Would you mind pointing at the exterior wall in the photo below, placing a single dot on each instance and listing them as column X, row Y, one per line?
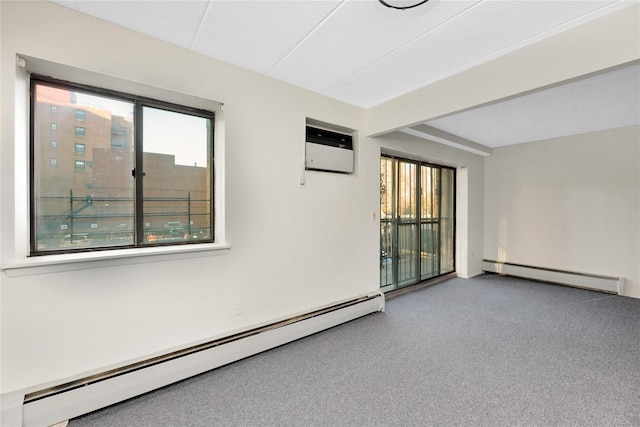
column 72, row 163
column 101, row 171
column 568, row 203
column 56, row 130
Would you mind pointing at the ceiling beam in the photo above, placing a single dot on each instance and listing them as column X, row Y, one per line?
column 604, row 42
column 436, row 135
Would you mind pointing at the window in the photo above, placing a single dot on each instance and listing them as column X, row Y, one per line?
column 80, row 115
column 54, row 126
column 54, row 144
column 152, row 192
column 417, row 227
column 54, row 109
column 54, row 162
column 118, row 136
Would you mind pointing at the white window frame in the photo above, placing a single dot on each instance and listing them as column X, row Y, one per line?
column 18, row 262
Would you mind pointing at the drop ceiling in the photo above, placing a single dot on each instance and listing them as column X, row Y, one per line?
column 602, row 101
column 364, row 54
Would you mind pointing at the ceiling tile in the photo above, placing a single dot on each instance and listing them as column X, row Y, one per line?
column 603, row 101
column 257, row 34
column 363, row 53
column 172, row 21
column 481, row 32
column 357, row 34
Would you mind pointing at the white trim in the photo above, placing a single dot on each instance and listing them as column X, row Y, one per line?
column 85, row 260
column 11, row 409
column 478, row 149
column 471, row 275
column 77, row 401
column 614, row 285
column 16, row 260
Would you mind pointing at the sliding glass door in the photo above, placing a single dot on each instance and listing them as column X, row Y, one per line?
column 417, row 222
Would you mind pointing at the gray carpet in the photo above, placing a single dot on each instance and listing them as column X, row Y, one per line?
column 490, row 351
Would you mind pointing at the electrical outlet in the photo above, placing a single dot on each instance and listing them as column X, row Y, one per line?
column 237, row 307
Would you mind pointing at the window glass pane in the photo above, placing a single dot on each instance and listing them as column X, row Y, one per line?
column 79, row 202
column 407, row 253
column 177, row 159
column 407, row 231
column 429, row 185
column 387, row 248
column 407, row 203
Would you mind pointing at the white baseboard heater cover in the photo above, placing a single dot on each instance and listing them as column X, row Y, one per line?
column 612, row 285
column 79, row 397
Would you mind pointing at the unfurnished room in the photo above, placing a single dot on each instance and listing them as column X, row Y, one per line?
column 320, row 213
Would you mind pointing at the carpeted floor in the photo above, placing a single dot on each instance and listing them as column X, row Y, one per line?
column 490, row 351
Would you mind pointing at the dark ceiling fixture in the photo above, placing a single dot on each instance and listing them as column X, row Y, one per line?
column 402, row 4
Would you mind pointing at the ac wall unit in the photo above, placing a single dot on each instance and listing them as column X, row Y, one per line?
column 328, row 151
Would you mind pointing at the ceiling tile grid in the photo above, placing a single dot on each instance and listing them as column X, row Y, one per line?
column 360, row 33
column 363, row 53
column 475, row 35
column 175, row 22
column 357, row 51
column 257, row 34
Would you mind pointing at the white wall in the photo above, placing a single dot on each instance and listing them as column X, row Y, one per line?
column 568, row 203
column 293, row 248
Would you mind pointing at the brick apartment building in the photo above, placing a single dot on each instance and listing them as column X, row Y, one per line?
column 84, row 183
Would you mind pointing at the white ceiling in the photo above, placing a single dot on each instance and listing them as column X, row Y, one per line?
column 603, row 101
column 363, row 53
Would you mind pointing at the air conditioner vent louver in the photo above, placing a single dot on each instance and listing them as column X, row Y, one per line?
column 329, row 151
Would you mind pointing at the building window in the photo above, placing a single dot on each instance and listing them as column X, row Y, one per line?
column 54, row 126
column 54, row 144
column 170, row 203
column 54, row 162
column 118, row 138
column 54, row 109
column 80, row 115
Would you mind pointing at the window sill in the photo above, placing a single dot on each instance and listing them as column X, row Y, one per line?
column 80, row 261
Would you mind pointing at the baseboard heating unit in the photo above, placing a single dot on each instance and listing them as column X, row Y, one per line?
column 612, row 285
column 66, row 401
